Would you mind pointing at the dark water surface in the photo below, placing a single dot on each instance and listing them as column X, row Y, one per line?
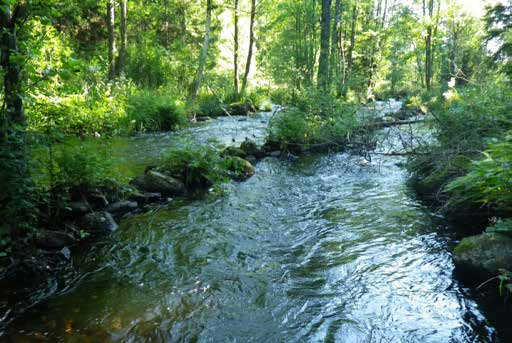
column 321, row 249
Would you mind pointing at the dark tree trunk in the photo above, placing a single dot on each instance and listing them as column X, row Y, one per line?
column 325, row 36
column 14, row 113
column 251, row 46
column 123, row 53
column 111, row 39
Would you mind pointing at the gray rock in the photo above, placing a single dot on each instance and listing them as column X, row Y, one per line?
column 275, row 153
column 484, row 254
column 122, row 207
column 53, row 240
column 98, row 222
column 161, row 183
column 146, row 198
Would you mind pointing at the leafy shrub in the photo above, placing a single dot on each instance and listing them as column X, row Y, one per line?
column 197, row 166
column 463, row 125
column 149, row 66
column 281, row 96
column 209, row 105
column 489, row 180
column 76, row 166
column 77, row 114
column 152, row 111
column 317, row 122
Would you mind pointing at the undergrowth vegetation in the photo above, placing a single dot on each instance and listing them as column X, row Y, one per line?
column 316, row 121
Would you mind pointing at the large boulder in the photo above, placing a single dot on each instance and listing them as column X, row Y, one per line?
column 156, row 182
column 98, row 222
column 484, row 254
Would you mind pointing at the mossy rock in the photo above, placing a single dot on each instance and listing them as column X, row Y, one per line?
column 240, row 169
column 232, row 151
column 484, row 254
column 250, row 148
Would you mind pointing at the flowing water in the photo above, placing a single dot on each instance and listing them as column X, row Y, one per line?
column 325, row 248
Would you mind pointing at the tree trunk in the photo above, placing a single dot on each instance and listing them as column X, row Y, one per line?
column 325, row 36
column 235, row 53
column 251, row 45
column 124, row 38
column 204, row 51
column 351, row 48
column 17, row 207
column 111, row 39
column 336, row 56
column 14, row 113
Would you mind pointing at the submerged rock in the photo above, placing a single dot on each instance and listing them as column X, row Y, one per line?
column 156, row 182
column 98, row 222
column 484, row 254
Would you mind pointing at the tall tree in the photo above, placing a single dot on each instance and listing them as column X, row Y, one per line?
column 16, row 197
column 325, row 36
column 428, row 13
column 123, row 53
column 235, row 51
column 204, row 51
column 350, row 58
column 251, row 46
column 111, row 39
column 12, row 71
column 337, row 57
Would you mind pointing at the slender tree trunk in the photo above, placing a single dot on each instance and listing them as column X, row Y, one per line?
column 335, row 70
column 111, row 39
column 235, row 53
column 204, row 51
column 350, row 61
column 251, row 46
column 123, row 53
column 325, row 36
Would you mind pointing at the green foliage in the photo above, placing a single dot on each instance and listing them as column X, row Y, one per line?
column 149, row 66
column 505, row 287
column 502, row 226
column 317, row 122
column 197, row 166
column 464, row 124
column 78, row 166
column 488, row 181
column 209, row 105
column 153, row 111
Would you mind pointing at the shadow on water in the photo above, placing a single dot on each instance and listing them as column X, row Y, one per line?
column 322, row 249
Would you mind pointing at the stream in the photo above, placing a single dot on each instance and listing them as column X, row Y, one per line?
column 323, row 248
